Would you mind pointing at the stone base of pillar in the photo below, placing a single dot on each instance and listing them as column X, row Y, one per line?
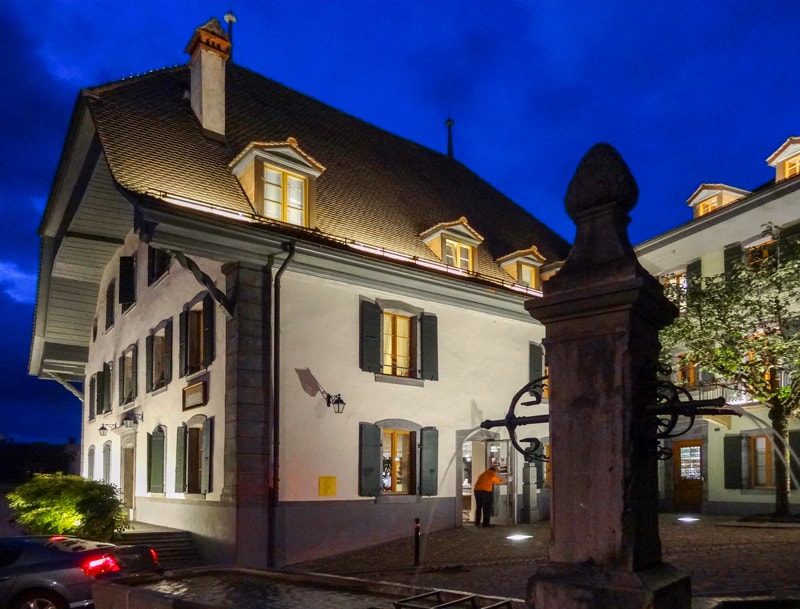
column 559, row 586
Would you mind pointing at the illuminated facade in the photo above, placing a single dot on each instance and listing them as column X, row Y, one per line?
column 724, row 464
column 222, row 256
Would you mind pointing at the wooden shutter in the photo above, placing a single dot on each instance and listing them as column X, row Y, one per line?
column 732, row 256
column 148, row 363
column 127, row 280
column 168, row 352
column 107, row 462
column 370, row 348
column 369, row 460
column 429, row 348
column 209, row 308
column 429, row 461
column 794, row 456
column 121, row 380
column 155, row 453
column 207, row 446
column 732, row 451
column 535, row 362
column 180, row 459
column 106, row 390
column 134, row 370
column 92, row 396
column 183, row 331
column 694, row 271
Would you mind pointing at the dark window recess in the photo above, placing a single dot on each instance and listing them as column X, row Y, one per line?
column 535, row 362
column 732, row 257
column 110, row 291
column 429, row 347
column 127, row 282
column 157, row 264
column 732, row 459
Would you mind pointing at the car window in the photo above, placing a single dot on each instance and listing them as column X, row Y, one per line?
column 9, row 554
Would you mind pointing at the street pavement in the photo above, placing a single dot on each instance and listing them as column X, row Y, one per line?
column 724, row 558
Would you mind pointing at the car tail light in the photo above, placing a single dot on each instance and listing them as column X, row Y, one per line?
column 154, row 554
column 99, row 565
column 58, row 538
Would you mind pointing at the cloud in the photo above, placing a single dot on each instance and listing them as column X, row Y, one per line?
column 17, row 284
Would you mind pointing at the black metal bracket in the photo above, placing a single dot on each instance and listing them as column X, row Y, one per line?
column 673, row 403
column 534, row 391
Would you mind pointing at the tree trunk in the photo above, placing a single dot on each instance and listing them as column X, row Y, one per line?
column 780, row 425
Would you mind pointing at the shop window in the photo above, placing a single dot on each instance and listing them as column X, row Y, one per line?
column 398, row 340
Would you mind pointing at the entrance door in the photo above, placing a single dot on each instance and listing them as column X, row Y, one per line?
column 500, row 453
column 687, row 467
column 128, row 476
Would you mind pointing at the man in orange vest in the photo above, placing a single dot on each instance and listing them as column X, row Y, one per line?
column 484, row 498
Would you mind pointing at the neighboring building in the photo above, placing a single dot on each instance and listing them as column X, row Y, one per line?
column 225, row 262
column 724, row 464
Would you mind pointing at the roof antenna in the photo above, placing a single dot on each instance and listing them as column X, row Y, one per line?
column 449, row 122
column 230, row 19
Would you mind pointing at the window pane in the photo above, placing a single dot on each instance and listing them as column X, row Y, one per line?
column 397, row 472
column 761, row 473
column 295, row 195
column 295, row 216
column 465, row 263
column 690, row 463
column 398, row 350
column 450, row 253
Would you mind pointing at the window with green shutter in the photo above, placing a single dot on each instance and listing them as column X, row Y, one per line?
column 398, row 340
column 196, row 348
column 155, row 460
column 194, row 456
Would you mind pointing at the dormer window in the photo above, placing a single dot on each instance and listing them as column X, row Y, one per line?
column 458, row 254
column 279, row 180
column 455, row 243
column 284, row 196
column 709, row 198
column 786, row 159
column 524, row 266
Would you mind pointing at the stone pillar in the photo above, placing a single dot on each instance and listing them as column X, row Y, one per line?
column 248, row 413
column 602, row 314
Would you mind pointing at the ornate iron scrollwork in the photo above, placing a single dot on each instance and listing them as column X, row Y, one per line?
column 534, row 391
column 673, row 402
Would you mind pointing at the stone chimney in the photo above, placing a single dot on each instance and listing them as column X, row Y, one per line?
column 210, row 49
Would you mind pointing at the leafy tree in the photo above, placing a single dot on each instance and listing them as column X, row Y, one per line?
column 69, row 505
column 742, row 326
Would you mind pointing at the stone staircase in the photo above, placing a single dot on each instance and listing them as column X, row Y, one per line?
column 175, row 548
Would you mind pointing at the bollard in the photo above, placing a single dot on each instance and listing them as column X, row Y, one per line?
column 416, row 542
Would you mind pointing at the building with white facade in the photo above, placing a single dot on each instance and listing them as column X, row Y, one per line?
column 226, row 263
column 724, row 464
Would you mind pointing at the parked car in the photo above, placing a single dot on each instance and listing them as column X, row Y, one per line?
column 40, row 572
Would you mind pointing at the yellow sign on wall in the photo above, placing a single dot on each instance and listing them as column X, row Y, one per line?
column 327, row 486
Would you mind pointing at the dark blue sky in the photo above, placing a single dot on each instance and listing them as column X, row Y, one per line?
column 687, row 91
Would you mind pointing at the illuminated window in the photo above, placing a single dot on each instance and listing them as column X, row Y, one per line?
column 690, row 463
column 687, row 372
column 707, row 206
column 529, row 276
column 398, row 339
column 284, row 196
column 127, row 376
column 791, row 167
column 760, row 252
column 399, row 347
column 458, row 254
column 398, row 462
column 760, row 449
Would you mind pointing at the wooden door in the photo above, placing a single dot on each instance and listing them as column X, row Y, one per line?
column 687, row 459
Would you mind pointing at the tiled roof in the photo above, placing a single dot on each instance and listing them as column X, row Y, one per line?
column 377, row 188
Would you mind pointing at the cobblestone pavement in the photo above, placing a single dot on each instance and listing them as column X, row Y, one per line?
column 722, row 557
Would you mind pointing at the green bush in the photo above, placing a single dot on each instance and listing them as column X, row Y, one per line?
column 51, row 504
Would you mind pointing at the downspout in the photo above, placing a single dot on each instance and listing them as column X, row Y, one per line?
column 272, row 508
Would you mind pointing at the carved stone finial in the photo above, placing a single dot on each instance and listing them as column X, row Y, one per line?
column 602, row 177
